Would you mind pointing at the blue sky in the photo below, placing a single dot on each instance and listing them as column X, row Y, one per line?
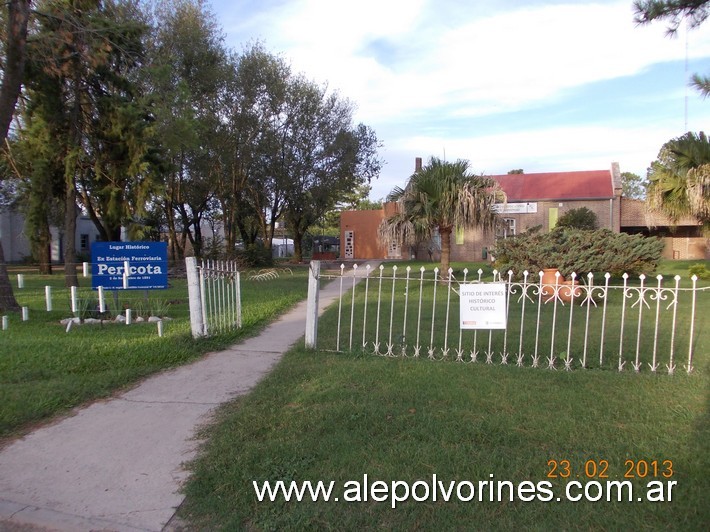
column 538, row 85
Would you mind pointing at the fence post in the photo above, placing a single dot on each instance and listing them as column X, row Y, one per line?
column 193, row 289
column 312, row 306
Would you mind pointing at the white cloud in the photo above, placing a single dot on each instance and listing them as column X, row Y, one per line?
column 501, row 60
column 537, row 150
column 413, row 66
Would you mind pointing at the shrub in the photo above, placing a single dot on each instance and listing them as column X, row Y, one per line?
column 700, row 270
column 580, row 251
column 255, row 256
column 581, row 218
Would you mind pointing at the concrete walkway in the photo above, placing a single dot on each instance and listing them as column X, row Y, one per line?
column 118, row 464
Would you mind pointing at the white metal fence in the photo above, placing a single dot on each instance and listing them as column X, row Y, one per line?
column 640, row 323
column 214, row 289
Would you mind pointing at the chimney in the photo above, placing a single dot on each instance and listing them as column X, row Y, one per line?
column 418, row 164
column 616, row 179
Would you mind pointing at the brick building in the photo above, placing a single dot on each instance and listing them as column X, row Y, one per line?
column 683, row 241
column 538, row 199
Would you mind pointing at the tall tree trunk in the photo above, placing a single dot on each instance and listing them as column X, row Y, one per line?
column 297, row 245
column 70, row 276
column 7, row 298
column 44, row 249
column 18, row 13
column 197, row 242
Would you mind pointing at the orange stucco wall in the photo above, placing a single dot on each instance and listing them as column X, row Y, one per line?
column 364, row 225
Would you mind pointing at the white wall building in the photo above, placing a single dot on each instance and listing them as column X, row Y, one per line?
column 16, row 245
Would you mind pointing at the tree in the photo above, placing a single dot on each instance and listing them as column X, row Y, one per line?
column 674, row 12
column 37, row 160
column 324, row 156
column 254, row 133
column 633, row 186
column 441, row 196
column 188, row 76
column 581, row 218
column 82, row 85
column 679, row 180
column 15, row 48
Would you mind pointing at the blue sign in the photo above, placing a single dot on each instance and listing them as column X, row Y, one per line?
column 129, row 265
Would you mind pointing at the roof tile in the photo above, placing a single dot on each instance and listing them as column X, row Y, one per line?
column 591, row 184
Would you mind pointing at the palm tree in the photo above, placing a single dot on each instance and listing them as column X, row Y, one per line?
column 441, row 196
column 679, row 180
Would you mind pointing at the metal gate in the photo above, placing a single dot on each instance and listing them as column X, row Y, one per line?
column 214, row 288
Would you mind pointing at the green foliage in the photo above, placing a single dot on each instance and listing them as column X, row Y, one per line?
column 672, row 11
column 581, row 218
column 700, row 270
column 573, row 250
column 441, row 196
column 633, row 185
column 159, row 307
column 83, row 94
column 679, row 180
column 255, row 256
column 85, row 308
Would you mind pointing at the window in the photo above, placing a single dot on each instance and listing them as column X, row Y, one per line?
column 436, row 239
column 349, row 244
column 394, row 250
column 506, row 228
column 84, row 242
column 460, row 236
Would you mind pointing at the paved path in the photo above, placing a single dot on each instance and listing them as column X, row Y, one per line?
column 118, row 464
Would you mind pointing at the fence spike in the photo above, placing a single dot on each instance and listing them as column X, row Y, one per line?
column 689, row 367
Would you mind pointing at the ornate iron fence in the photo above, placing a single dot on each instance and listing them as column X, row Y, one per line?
column 640, row 323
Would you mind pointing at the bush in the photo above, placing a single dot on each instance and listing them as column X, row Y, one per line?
column 580, row 251
column 255, row 256
column 581, row 218
column 700, row 270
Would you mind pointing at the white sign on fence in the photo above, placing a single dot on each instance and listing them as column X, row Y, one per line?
column 482, row 306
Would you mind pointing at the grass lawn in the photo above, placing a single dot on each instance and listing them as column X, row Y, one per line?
column 337, row 417
column 45, row 370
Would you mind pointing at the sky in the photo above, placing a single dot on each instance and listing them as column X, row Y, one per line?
column 542, row 86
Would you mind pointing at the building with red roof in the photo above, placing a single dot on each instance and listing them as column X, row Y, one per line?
column 537, row 199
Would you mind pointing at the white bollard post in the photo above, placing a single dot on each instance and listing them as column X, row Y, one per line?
column 86, row 269
column 48, row 297
column 5, row 323
column 129, row 316
column 20, row 280
column 74, row 305
column 312, row 305
column 160, row 328
column 102, row 300
column 25, row 314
